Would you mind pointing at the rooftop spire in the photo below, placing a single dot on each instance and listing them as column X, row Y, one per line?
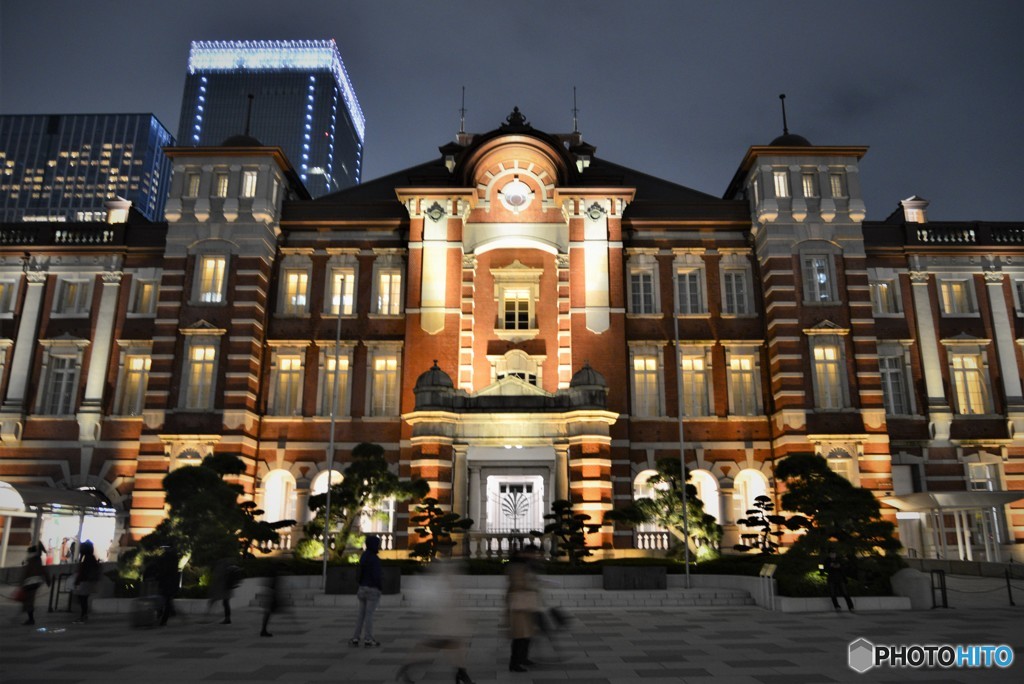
column 575, row 113
column 462, row 113
column 785, row 128
column 248, row 113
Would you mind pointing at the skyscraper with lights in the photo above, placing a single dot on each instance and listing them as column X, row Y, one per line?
column 303, row 102
column 65, row 167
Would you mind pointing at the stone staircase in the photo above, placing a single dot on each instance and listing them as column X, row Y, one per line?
column 488, row 592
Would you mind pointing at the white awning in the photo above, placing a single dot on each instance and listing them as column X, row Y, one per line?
column 951, row 501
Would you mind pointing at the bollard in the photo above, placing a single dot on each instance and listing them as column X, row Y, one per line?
column 1009, row 587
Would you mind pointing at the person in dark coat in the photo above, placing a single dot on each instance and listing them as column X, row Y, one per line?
column 224, row 578
column 270, row 600
column 836, row 570
column 32, row 577
column 370, row 585
column 86, row 577
column 168, row 578
column 523, row 601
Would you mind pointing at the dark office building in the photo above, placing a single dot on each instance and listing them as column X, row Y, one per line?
column 303, row 102
column 64, row 167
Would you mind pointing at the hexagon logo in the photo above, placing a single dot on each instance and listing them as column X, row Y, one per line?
column 862, row 655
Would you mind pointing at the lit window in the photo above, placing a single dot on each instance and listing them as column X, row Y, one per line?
column 781, row 183
column 957, row 297
column 894, row 385
column 287, row 386
column 343, row 284
column 295, row 294
column 7, row 289
column 842, row 464
column 696, row 373
column 73, row 297
column 828, row 375
column 220, row 184
column 389, row 293
column 1018, row 289
column 192, row 185
column 817, row 272
column 641, row 290
column 61, row 385
column 690, row 292
column 329, row 382
column 199, row 376
column 144, row 297
column 646, row 386
column 809, row 179
column 755, row 186
column 837, row 181
column 743, row 394
column 983, row 477
column 736, row 292
column 516, row 304
column 248, row 184
column 384, row 399
column 134, row 380
column 211, row 279
column 969, row 383
column 884, row 297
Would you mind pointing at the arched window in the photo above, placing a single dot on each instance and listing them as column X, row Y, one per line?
column 748, row 485
column 643, row 488
column 278, row 496
column 707, row 492
column 319, row 483
column 378, row 519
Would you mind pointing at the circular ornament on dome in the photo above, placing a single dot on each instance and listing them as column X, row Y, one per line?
column 515, row 195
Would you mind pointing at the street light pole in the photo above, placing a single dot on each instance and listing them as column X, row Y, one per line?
column 679, row 416
column 330, row 440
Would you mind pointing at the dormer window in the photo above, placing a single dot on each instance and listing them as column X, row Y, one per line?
column 809, row 180
column 781, row 183
column 192, row 184
column 249, row 183
column 837, row 180
column 220, row 184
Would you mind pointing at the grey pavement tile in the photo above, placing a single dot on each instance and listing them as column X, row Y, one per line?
column 762, row 664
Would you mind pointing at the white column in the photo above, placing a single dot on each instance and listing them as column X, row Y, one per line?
column 25, row 342
column 561, row 490
column 459, row 480
column 475, row 497
column 943, row 540
column 938, row 408
column 1004, row 332
column 595, row 255
column 959, row 535
column 99, row 356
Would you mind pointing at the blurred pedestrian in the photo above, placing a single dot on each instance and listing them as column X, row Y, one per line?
column 225, row 577
column 86, row 577
column 443, row 619
column 270, row 600
column 836, row 571
column 32, row 577
column 168, row 578
column 370, row 586
column 523, row 601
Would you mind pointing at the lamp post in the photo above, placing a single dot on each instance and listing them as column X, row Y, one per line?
column 679, row 416
column 330, row 439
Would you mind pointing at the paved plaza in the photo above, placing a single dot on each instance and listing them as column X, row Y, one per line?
column 741, row 645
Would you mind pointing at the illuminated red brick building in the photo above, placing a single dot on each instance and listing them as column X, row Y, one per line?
column 503, row 320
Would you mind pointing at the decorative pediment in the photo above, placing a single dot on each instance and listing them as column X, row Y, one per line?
column 826, row 327
column 202, row 327
column 511, row 386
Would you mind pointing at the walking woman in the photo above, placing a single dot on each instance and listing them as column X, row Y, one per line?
column 33, row 576
column 85, row 579
column 523, row 600
column 370, row 585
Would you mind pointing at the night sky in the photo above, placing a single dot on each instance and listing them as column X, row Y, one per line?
column 676, row 89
